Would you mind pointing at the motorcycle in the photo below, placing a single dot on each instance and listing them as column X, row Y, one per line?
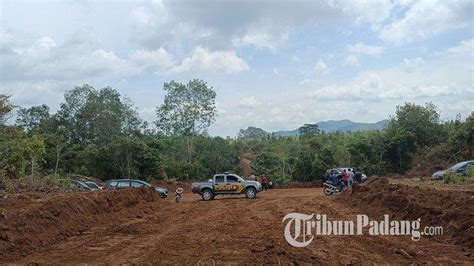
column 329, row 188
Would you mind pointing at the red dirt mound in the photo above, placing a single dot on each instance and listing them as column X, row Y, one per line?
column 38, row 223
column 452, row 210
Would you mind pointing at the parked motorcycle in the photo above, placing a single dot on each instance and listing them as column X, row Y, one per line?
column 329, row 188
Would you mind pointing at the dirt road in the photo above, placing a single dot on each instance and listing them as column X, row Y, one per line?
column 226, row 230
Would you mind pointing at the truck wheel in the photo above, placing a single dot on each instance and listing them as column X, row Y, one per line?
column 251, row 193
column 207, row 194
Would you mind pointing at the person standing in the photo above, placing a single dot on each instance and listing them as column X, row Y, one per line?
column 351, row 177
column 264, row 181
column 345, row 177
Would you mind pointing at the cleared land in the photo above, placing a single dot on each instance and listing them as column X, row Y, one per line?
column 136, row 226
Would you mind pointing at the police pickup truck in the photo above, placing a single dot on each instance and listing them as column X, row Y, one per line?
column 226, row 184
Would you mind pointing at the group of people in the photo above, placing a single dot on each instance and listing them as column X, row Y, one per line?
column 263, row 179
column 345, row 177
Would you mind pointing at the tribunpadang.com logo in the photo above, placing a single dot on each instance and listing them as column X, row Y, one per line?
column 301, row 229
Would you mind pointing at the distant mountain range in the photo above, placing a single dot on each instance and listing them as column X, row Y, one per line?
column 339, row 125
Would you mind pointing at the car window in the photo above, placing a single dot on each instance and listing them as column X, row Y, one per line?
column 231, row 178
column 92, row 185
column 113, row 184
column 138, row 184
column 124, row 184
column 458, row 166
column 220, row 179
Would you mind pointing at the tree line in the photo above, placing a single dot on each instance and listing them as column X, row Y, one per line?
column 98, row 132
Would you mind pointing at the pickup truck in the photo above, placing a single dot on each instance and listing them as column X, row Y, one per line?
column 226, row 184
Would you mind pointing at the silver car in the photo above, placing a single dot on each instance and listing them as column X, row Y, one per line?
column 459, row 168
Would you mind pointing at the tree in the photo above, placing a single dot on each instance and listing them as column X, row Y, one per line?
column 5, row 108
column 31, row 118
column 267, row 164
column 13, row 153
column 36, row 149
column 308, row 129
column 414, row 126
column 253, row 133
column 420, row 121
column 216, row 155
column 56, row 142
column 126, row 154
column 107, row 116
column 188, row 110
column 70, row 112
column 93, row 116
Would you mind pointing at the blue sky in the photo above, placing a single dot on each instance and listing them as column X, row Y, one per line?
column 273, row 64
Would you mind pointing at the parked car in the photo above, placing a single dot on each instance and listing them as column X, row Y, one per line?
column 226, row 183
column 82, row 186
column 459, row 169
column 133, row 183
column 93, row 185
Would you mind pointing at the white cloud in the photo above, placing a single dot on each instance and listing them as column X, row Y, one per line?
column 263, row 34
column 364, row 87
column 363, row 49
column 360, row 49
column 321, row 68
column 250, row 102
column 447, row 74
column 44, row 59
column 155, row 61
column 368, row 11
column 203, row 60
column 351, row 60
column 465, row 47
column 428, row 18
column 413, row 63
column 79, row 58
column 221, row 25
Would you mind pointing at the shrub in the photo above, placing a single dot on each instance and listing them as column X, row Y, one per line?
column 451, row 178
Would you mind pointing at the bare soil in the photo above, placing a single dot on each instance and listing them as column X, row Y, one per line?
column 136, row 226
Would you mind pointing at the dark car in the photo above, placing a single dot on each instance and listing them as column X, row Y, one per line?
column 459, row 169
column 133, row 183
column 82, row 186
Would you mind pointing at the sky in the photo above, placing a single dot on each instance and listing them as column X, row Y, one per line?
column 273, row 64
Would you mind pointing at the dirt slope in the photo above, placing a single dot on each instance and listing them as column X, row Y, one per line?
column 246, row 164
column 454, row 210
column 136, row 227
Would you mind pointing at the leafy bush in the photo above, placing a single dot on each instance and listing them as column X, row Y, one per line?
column 470, row 173
column 453, row 178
